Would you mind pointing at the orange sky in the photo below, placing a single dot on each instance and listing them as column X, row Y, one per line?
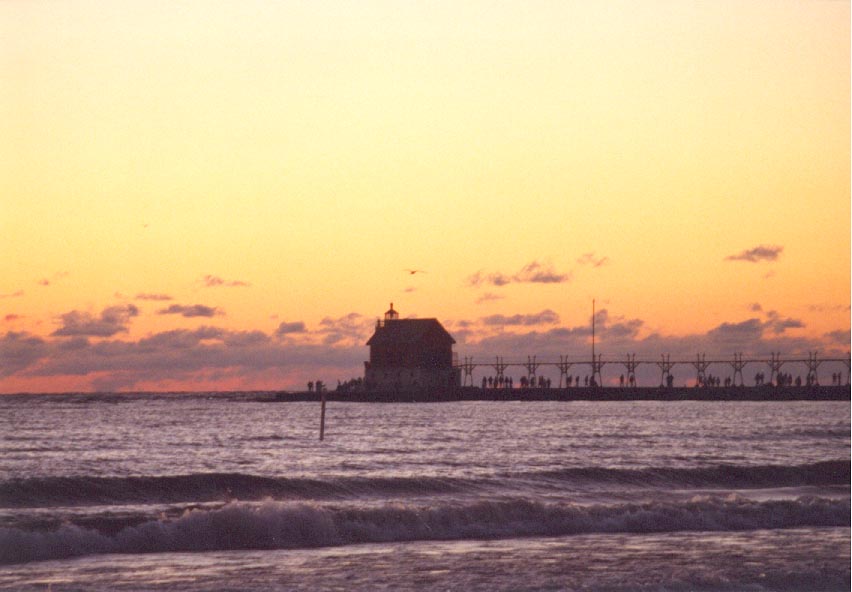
column 270, row 172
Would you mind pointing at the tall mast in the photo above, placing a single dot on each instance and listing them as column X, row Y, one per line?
column 593, row 337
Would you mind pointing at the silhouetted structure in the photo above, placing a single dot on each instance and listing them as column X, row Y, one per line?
column 777, row 379
column 410, row 355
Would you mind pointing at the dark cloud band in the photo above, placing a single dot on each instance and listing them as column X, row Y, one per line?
column 760, row 253
column 194, row 310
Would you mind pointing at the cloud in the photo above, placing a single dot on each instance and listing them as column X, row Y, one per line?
column 56, row 276
column 20, row 351
column 489, row 296
column 735, row 336
column 205, row 354
column 829, row 308
column 545, row 317
column 842, row 338
column 618, row 330
column 618, row 336
column 245, row 338
column 531, row 273
column 155, row 297
column 180, row 338
column 539, row 274
column 353, row 329
column 495, row 279
column 195, row 310
column 17, row 294
column 289, row 328
column 779, row 325
column 12, row 317
column 212, row 281
column 590, row 259
column 210, row 357
column 760, row 253
column 112, row 320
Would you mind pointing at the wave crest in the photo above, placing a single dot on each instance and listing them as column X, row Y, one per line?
column 206, row 487
column 281, row 525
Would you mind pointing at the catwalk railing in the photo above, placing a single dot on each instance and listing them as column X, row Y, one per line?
column 737, row 364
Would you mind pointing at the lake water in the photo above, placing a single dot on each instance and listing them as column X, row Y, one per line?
column 232, row 492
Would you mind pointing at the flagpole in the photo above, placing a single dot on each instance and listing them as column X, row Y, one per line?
column 593, row 339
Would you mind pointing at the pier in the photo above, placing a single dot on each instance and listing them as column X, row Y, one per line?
column 495, row 373
column 776, row 379
column 740, row 393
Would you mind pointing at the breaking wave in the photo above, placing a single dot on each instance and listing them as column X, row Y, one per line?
column 283, row 525
column 203, row 487
column 728, row 476
column 62, row 491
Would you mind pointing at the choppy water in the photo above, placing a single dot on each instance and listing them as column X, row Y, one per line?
column 228, row 492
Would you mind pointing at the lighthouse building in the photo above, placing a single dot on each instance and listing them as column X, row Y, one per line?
column 410, row 355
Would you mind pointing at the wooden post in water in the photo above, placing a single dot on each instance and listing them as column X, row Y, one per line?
column 322, row 415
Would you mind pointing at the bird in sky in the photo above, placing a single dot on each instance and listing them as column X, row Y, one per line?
column 413, row 271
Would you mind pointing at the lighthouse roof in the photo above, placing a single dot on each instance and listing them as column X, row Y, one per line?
column 410, row 331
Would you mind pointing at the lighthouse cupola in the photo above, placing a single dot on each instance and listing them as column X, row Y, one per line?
column 391, row 314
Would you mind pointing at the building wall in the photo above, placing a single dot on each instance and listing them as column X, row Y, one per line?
column 411, row 356
column 394, row 378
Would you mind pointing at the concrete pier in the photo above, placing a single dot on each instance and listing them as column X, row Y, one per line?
column 739, row 393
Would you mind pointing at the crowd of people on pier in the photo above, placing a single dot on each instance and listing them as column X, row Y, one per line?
column 507, row 382
column 781, row 379
column 703, row 381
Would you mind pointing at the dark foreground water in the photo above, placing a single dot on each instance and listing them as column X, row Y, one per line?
column 226, row 492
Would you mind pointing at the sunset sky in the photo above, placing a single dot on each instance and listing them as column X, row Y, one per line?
column 225, row 195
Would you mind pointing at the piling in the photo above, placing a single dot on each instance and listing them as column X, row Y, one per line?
column 322, row 416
